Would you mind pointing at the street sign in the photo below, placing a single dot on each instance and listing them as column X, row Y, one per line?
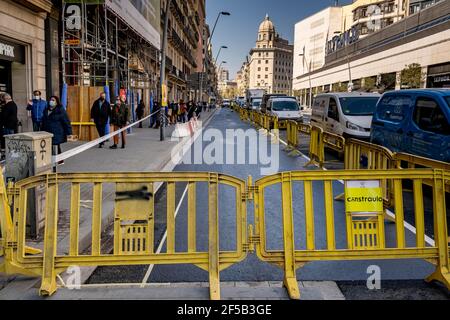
column 164, row 98
column 363, row 197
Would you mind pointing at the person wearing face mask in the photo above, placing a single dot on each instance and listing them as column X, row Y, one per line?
column 9, row 115
column 37, row 107
column 100, row 113
column 120, row 117
column 56, row 121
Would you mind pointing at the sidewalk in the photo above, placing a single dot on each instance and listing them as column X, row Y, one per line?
column 144, row 153
column 265, row 290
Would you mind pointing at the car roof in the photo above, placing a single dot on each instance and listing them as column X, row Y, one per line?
column 437, row 91
column 283, row 98
column 349, row 94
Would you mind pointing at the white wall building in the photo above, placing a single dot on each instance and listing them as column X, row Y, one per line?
column 421, row 38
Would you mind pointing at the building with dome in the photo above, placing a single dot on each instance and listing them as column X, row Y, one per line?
column 271, row 61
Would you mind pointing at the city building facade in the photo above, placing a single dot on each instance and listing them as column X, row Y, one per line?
column 378, row 61
column 271, row 61
column 23, row 51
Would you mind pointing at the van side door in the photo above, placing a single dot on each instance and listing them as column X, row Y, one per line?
column 428, row 132
column 320, row 108
column 332, row 123
column 390, row 120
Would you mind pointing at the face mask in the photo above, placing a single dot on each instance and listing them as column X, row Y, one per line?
column 52, row 103
column 37, row 97
column 102, row 98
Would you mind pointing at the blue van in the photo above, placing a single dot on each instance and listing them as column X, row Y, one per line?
column 415, row 122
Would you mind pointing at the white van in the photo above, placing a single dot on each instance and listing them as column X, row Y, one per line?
column 285, row 108
column 345, row 114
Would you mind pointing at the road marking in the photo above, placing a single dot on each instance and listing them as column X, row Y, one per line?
column 408, row 226
column 163, row 240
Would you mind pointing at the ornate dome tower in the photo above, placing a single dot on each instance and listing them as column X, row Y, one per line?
column 266, row 32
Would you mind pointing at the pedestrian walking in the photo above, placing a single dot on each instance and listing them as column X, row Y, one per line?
column 100, row 113
column 140, row 111
column 56, row 121
column 183, row 111
column 9, row 115
column 120, row 118
column 191, row 110
column 37, row 105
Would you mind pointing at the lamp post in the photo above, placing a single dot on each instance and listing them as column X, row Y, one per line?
column 350, row 82
column 162, row 76
column 222, row 13
column 220, row 49
column 309, row 75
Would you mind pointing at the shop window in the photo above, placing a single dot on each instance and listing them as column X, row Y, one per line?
column 428, row 116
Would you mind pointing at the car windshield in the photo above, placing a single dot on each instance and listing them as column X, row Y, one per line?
column 285, row 105
column 448, row 101
column 358, row 106
column 256, row 103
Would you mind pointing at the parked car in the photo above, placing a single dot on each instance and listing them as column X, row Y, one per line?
column 266, row 98
column 414, row 121
column 285, row 108
column 226, row 103
column 256, row 104
column 346, row 114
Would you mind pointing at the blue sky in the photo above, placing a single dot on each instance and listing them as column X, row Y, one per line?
column 239, row 30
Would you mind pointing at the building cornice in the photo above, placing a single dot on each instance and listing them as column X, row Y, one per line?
column 36, row 5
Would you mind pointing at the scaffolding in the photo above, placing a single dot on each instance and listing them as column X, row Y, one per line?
column 101, row 52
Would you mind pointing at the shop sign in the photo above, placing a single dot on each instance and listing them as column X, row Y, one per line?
column 445, row 78
column 363, row 197
column 12, row 51
column 343, row 40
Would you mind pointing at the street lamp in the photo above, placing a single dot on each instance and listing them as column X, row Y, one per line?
column 350, row 82
column 222, row 13
column 162, row 75
column 220, row 49
column 309, row 75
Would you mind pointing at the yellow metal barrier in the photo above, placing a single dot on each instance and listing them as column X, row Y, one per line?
column 133, row 227
column 365, row 235
column 334, row 141
column 413, row 161
column 316, row 147
column 292, row 135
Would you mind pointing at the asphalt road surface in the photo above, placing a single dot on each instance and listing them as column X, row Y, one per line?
column 251, row 269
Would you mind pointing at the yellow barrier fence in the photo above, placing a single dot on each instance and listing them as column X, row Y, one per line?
column 134, row 221
column 316, row 147
column 291, row 135
column 413, row 161
column 365, row 235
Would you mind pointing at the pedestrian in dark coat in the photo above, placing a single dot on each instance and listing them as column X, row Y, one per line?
column 100, row 113
column 9, row 115
column 140, row 111
column 120, row 117
column 56, row 121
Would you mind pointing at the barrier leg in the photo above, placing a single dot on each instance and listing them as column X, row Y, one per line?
column 442, row 272
column 214, row 271
column 290, row 278
column 48, row 286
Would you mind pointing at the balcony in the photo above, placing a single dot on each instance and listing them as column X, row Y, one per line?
column 177, row 13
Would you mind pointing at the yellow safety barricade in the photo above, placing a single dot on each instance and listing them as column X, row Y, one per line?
column 334, row 141
column 316, row 147
column 413, row 161
column 365, row 235
column 292, row 135
column 134, row 220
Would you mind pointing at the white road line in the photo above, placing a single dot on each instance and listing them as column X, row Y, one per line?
column 163, row 240
column 408, row 226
